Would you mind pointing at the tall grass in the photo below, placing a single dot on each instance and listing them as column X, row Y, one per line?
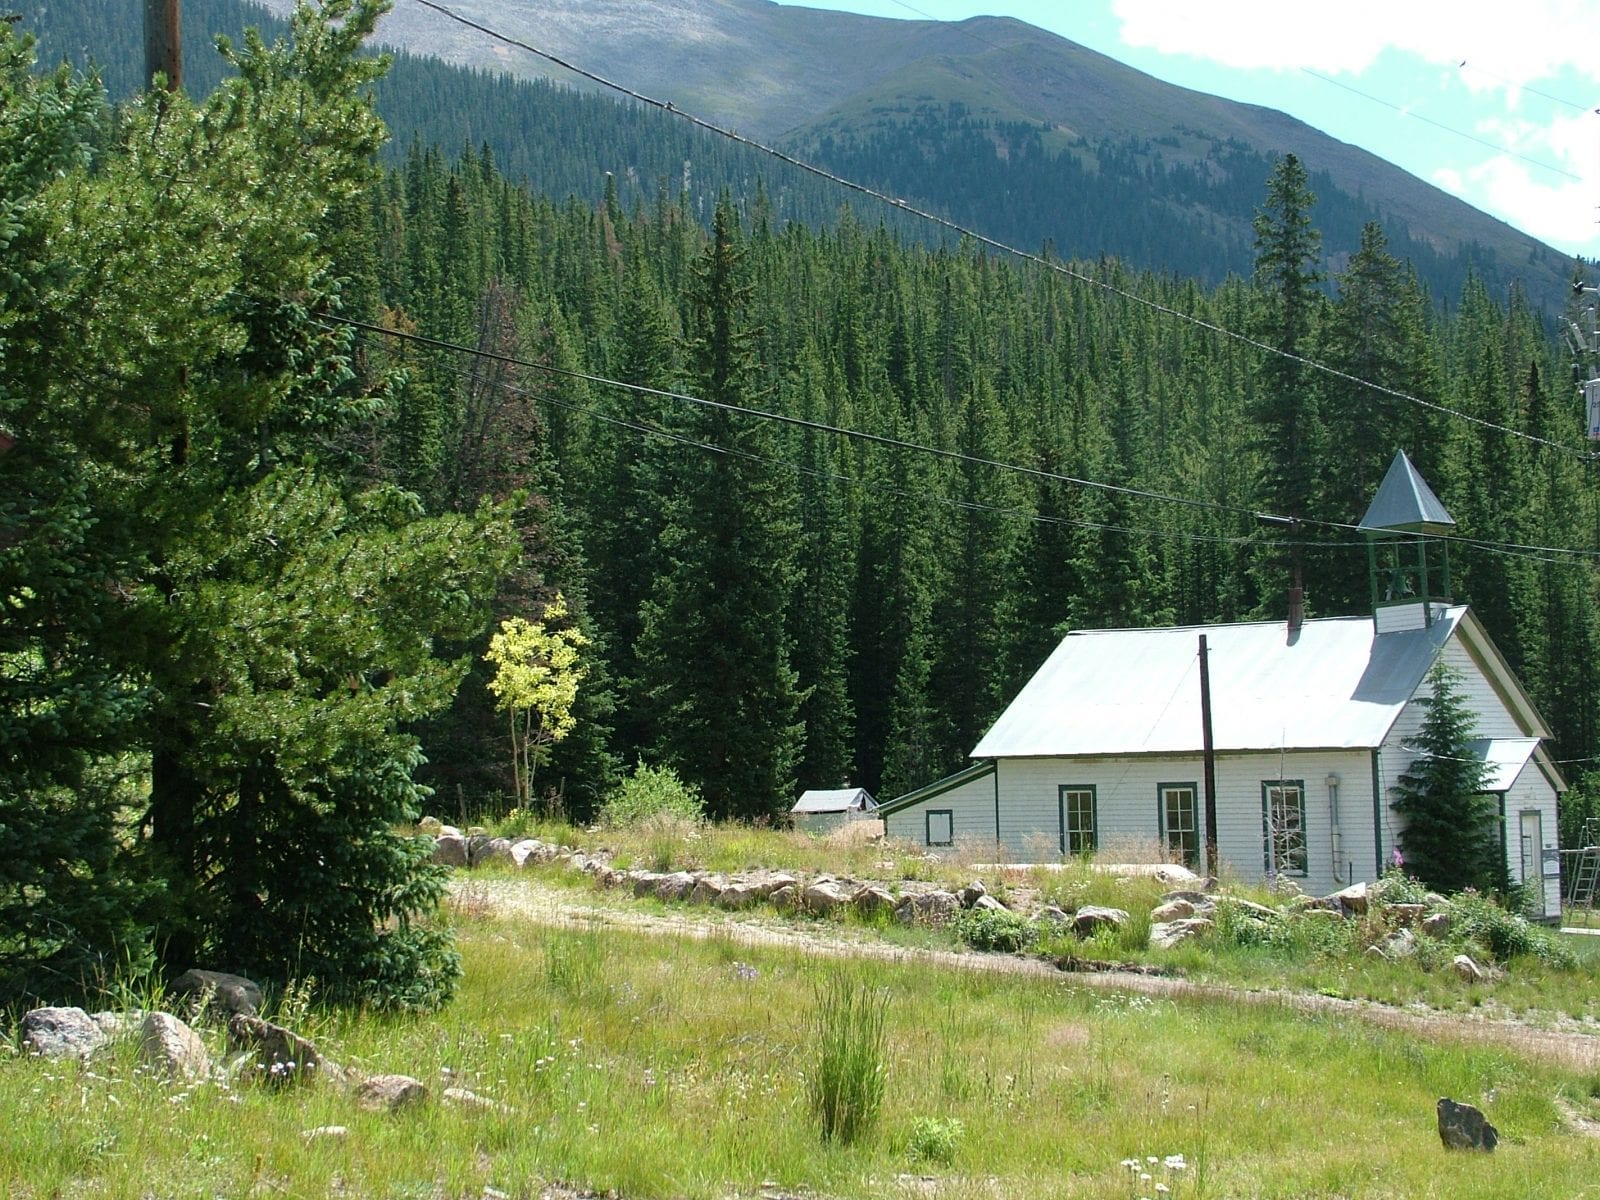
column 845, row 1087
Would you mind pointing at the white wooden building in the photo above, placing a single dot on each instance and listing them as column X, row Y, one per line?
column 1312, row 725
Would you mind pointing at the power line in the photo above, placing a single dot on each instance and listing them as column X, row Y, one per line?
column 1460, row 133
column 993, row 243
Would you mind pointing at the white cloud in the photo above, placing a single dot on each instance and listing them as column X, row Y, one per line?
column 1503, row 47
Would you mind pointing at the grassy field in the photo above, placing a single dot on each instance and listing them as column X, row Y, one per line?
column 675, row 1069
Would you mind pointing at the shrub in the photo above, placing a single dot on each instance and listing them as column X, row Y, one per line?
column 934, row 1140
column 1504, row 935
column 995, row 929
column 648, row 792
column 845, row 1087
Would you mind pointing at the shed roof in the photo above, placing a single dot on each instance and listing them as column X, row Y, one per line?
column 1337, row 685
column 834, row 800
column 1506, row 758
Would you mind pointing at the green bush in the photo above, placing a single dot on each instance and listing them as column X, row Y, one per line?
column 995, row 929
column 935, row 1140
column 845, row 1087
column 650, row 792
column 1480, row 922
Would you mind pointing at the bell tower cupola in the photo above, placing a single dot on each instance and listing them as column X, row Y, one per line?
column 1408, row 559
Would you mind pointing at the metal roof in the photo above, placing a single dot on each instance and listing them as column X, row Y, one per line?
column 1406, row 502
column 1337, row 685
column 836, row 800
column 1506, row 758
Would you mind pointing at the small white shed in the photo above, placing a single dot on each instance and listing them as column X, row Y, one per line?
column 822, row 811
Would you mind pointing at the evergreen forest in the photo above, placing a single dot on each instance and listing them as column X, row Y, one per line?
column 289, row 435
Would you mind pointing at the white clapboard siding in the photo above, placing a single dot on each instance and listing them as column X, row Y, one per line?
column 971, row 809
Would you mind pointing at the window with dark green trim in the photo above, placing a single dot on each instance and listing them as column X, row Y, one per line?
column 939, row 827
column 1179, row 817
column 1079, row 834
column 1283, row 826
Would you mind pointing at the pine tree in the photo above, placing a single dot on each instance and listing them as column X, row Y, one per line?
column 1451, row 835
column 714, row 666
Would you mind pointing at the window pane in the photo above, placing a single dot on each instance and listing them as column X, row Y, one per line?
column 1077, row 816
column 1286, row 828
column 941, row 828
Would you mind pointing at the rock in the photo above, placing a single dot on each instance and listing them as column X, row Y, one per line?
column 674, row 887
column 172, row 1048
column 483, row 851
column 1174, row 875
column 1377, row 952
column 1353, row 898
column 926, row 908
column 707, row 890
column 1463, row 1127
column 823, row 896
column 1092, row 917
column 1051, row 913
column 1167, row 934
column 988, row 904
column 1406, row 915
column 1435, row 900
column 576, row 862
column 1436, row 925
column 1198, row 900
column 282, row 1056
column 450, row 850
column 430, row 825
column 1210, row 885
column 643, row 883
column 60, row 1033
column 1172, row 910
column 229, row 993
column 768, row 882
column 325, row 1131
column 972, row 893
column 871, row 900
column 1402, row 943
column 740, row 894
column 390, row 1093
column 528, row 852
column 786, row 899
column 461, row 1098
column 1467, row 969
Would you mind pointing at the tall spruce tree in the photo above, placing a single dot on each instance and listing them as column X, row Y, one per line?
column 714, row 667
column 1451, row 836
column 1288, row 428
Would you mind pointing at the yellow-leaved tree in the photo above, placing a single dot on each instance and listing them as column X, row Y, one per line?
column 537, row 673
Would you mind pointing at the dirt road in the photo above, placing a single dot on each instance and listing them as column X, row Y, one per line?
column 547, row 905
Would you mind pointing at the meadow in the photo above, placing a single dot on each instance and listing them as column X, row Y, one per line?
column 657, row 1067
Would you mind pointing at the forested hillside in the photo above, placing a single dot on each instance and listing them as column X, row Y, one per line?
column 919, row 587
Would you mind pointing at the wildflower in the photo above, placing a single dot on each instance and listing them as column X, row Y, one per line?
column 1174, row 1162
column 1131, row 1163
column 1162, row 1188
column 1397, row 859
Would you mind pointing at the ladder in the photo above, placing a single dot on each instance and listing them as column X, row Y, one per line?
column 1586, row 871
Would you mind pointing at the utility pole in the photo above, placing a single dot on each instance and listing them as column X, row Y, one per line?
column 163, row 49
column 1209, row 749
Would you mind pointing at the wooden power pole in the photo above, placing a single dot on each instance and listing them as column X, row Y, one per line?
column 163, row 49
column 1208, row 748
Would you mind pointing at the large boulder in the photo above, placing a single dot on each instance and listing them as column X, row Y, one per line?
column 1463, row 1127
column 988, row 904
column 1172, row 910
column 1353, row 898
column 430, row 825
column 674, row 887
column 60, row 1033
column 172, row 1049
column 390, row 1093
column 1467, row 970
column 871, row 900
column 483, row 851
column 972, row 893
column 529, row 851
column 1436, row 925
column 281, row 1055
column 1164, row 935
column 227, row 994
column 823, row 896
column 1093, row 917
column 450, row 850
column 708, row 890
column 741, row 893
column 1405, row 916
column 927, row 908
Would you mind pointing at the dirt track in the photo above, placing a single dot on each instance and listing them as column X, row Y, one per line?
column 556, row 906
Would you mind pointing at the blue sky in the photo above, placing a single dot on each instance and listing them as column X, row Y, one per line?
column 1490, row 100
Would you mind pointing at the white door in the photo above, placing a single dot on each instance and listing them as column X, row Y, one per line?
column 1532, row 862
